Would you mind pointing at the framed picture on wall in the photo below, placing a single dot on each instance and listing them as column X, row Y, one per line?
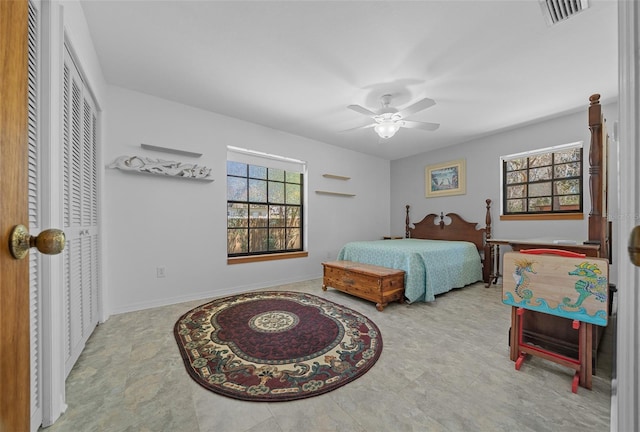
column 445, row 179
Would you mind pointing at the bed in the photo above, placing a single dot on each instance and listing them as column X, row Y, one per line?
column 438, row 254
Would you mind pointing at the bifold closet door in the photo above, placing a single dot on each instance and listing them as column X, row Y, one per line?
column 80, row 212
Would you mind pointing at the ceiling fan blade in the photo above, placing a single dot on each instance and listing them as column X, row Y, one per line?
column 362, row 110
column 418, row 106
column 359, row 127
column 421, row 125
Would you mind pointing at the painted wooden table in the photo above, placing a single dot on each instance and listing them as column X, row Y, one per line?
column 550, row 331
column 560, row 283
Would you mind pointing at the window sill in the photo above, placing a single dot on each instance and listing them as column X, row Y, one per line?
column 267, row 257
column 544, row 216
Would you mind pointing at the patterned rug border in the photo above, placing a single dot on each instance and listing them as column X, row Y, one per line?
column 340, row 379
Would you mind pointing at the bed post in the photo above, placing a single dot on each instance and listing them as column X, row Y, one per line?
column 487, row 267
column 406, row 223
column 487, row 219
column 598, row 225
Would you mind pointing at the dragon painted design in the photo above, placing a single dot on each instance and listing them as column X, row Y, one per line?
column 592, row 284
column 523, row 267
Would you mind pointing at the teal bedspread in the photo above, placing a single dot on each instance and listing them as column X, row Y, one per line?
column 431, row 266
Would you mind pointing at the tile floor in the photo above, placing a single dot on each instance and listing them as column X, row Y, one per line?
column 444, row 367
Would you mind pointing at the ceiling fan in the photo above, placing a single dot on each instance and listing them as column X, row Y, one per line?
column 388, row 120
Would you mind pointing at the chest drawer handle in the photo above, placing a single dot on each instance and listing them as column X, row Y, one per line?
column 348, row 281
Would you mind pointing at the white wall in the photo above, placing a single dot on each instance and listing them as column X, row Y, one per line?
column 178, row 224
column 483, row 177
column 77, row 33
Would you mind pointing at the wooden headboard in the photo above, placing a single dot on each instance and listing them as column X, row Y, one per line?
column 434, row 227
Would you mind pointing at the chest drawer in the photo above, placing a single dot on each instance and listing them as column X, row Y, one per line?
column 379, row 284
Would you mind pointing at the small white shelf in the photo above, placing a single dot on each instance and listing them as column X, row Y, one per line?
column 146, row 173
column 335, row 176
column 321, row 192
column 170, row 150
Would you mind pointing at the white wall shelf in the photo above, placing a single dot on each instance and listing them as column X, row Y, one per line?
column 157, row 167
column 146, row 173
column 170, row 150
column 321, row 192
column 335, row 176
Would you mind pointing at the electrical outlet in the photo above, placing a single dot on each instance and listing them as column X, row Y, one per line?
column 160, row 272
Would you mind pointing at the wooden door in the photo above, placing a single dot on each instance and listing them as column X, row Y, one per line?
column 14, row 274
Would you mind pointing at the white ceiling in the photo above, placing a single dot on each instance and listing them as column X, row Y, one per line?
column 296, row 65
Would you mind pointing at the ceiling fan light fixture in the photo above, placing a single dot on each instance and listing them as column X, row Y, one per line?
column 388, row 120
column 387, row 128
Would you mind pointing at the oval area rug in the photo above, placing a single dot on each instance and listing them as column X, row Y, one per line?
column 272, row 346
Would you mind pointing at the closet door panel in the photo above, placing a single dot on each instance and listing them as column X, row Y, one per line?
column 80, row 211
column 73, row 302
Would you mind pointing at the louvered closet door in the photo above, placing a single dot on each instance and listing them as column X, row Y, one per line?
column 80, row 212
column 35, row 226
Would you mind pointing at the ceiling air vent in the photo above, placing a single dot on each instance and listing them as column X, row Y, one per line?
column 555, row 11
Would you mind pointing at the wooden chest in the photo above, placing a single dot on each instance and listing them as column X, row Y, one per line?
column 378, row 284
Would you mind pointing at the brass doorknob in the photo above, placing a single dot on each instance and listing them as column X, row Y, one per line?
column 634, row 246
column 50, row 242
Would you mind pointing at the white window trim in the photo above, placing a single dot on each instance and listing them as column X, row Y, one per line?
column 254, row 157
column 553, row 149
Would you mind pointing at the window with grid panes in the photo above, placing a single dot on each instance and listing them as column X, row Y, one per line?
column 544, row 181
column 264, row 210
